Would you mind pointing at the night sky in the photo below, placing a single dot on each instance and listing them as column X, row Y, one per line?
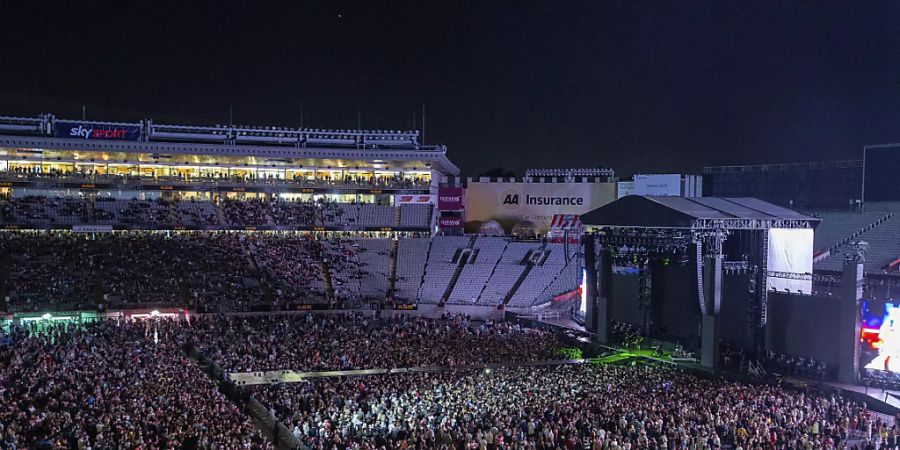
column 636, row 86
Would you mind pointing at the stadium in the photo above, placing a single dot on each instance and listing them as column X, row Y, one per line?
column 435, row 225
column 291, row 263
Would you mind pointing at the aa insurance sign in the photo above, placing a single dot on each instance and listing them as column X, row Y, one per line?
column 534, row 202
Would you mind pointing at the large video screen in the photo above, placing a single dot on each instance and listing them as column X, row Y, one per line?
column 880, row 336
column 881, row 171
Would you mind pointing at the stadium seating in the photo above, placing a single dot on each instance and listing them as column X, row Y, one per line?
column 838, row 227
column 443, row 260
column 412, row 255
column 415, row 216
column 477, row 270
column 374, row 260
column 64, row 212
column 838, row 231
column 240, row 270
column 539, row 284
column 507, row 272
column 376, row 216
column 340, row 215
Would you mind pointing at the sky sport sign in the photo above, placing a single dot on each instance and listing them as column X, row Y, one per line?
column 96, row 131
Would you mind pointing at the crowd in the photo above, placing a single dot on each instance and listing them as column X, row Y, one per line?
column 129, row 384
column 171, row 213
column 52, row 272
column 291, row 266
column 208, row 271
column 323, row 180
column 39, row 209
column 113, row 385
column 348, row 341
column 567, row 406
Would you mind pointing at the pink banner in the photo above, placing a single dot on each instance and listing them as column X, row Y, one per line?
column 450, row 199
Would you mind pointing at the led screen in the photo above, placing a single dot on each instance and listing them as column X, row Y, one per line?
column 880, row 336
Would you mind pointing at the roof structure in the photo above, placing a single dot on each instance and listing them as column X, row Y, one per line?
column 696, row 213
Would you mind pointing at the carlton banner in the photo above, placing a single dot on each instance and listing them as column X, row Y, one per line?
column 513, row 203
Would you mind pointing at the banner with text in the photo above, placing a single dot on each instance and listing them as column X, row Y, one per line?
column 450, row 199
column 512, row 203
column 413, row 199
column 660, row 185
column 450, row 222
column 96, row 131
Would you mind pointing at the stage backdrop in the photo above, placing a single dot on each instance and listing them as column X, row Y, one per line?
column 790, row 250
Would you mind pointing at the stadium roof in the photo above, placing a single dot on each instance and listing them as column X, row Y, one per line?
column 695, row 213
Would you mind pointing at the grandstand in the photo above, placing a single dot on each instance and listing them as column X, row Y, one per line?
column 839, row 231
column 247, row 271
column 272, row 244
column 56, row 174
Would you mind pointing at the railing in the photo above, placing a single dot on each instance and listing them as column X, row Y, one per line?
column 212, row 181
column 271, row 427
column 816, row 165
column 146, row 130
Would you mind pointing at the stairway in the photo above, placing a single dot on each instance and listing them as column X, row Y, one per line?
column 515, row 286
column 326, row 277
column 461, row 258
column 5, row 260
column 493, row 270
column 527, row 260
column 544, row 255
column 172, row 215
column 397, row 217
column 90, row 211
column 858, row 233
column 220, row 213
column 392, row 279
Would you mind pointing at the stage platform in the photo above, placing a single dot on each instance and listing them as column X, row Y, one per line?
column 884, row 396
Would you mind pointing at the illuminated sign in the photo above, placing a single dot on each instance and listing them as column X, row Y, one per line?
column 97, row 131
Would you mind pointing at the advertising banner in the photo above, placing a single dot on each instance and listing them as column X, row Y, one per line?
column 514, row 203
column 450, row 199
column 566, row 227
column 413, row 199
column 625, row 188
column 96, row 131
column 92, row 228
column 661, row 185
column 450, row 222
